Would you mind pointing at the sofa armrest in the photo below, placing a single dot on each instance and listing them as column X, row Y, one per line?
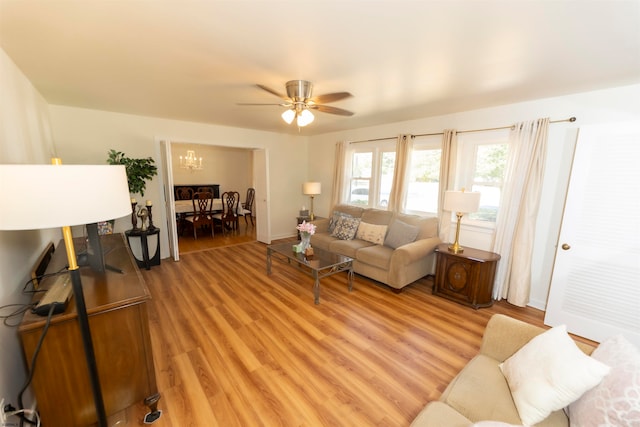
column 414, row 251
column 322, row 225
column 505, row 335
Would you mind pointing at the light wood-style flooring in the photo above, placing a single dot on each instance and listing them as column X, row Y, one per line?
column 235, row 347
column 245, row 233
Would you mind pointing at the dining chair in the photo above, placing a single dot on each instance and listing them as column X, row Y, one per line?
column 184, row 193
column 206, row 190
column 247, row 206
column 229, row 215
column 202, row 204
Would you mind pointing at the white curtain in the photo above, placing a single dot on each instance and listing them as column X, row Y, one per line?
column 447, row 177
column 339, row 174
column 515, row 226
column 404, row 147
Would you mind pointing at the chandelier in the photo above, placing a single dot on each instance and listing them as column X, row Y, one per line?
column 300, row 112
column 190, row 161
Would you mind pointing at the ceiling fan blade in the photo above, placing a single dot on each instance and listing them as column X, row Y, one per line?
column 273, row 92
column 330, row 97
column 332, row 110
column 282, row 104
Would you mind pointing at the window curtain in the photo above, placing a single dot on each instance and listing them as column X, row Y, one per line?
column 404, row 147
column 339, row 174
column 515, row 226
column 447, row 177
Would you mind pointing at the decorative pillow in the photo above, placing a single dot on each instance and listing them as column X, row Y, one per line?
column 400, row 233
column 346, row 228
column 548, row 373
column 371, row 232
column 333, row 221
column 616, row 400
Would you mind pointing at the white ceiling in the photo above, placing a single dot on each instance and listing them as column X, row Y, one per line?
column 195, row 60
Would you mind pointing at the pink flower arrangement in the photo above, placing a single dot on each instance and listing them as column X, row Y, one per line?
column 306, row 227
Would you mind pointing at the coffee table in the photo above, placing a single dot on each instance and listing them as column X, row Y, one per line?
column 321, row 264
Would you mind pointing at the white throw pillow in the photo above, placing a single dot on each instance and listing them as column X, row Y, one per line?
column 371, row 232
column 548, row 373
column 616, row 400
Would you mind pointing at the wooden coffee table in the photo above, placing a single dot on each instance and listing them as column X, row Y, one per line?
column 321, row 264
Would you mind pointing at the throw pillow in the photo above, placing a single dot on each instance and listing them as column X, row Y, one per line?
column 346, row 228
column 400, row 233
column 333, row 221
column 616, row 400
column 371, row 232
column 548, row 373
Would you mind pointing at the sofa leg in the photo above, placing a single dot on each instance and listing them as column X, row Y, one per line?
column 396, row 290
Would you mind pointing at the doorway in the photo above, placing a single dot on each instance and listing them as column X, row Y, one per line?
column 229, row 167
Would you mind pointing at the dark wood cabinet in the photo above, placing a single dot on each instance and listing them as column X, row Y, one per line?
column 117, row 308
column 465, row 277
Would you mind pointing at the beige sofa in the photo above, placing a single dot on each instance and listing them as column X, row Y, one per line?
column 480, row 392
column 394, row 261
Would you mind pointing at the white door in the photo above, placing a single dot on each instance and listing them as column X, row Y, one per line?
column 261, row 174
column 167, row 178
column 595, row 288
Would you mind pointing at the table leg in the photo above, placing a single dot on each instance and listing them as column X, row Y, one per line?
column 316, row 287
column 350, row 277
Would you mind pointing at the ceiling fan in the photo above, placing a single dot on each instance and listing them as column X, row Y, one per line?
column 299, row 101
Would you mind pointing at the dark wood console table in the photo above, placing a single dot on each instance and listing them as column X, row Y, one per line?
column 117, row 308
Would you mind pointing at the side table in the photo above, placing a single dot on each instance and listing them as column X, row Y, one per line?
column 145, row 259
column 465, row 277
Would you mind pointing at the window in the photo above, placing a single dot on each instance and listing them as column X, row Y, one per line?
column 424, row 176
column 482, row 165
column 372, row 166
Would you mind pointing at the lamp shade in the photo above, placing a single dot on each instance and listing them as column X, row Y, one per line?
column 50, row 196
column 288, row 116
column 311, row 188
column 461, row 201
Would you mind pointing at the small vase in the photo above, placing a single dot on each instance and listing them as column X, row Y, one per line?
column 305, row 241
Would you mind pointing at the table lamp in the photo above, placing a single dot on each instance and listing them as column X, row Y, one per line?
column 460, row 202
column 51, row 196
column 311, row 189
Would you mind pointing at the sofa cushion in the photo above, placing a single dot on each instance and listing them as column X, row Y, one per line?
column 548, row 373
column 439, row 414
column 335, row 217
column 427, row 225
column 346, row 228
column 348, row 247
column 468, row 392
column 377, row 216
column 377, row 255
column 400, row 233
column 371, row 232
column 616, row 400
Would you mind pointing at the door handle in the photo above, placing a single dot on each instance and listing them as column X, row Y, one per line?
column 565, row 247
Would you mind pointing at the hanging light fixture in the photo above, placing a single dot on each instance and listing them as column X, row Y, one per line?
column 299, row 112
column 190, row 161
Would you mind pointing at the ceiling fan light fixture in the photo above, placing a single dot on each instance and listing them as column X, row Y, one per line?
column 305, row 117
column 288, row 116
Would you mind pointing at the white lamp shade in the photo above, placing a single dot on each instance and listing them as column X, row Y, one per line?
column 288, row 116
column 461, row 201
column 305, row 117
column 311, row 188
column 50, row 196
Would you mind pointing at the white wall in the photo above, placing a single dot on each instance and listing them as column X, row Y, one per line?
column 86, row 136
column 25, row 138
column 230, row 167
column 605, row 106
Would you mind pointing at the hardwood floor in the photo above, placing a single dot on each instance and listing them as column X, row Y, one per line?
column 235, row 347
column 245, row 233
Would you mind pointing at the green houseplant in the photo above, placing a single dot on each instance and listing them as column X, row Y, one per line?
column 138, row 170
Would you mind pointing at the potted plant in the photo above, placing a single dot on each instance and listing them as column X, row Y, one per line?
column 138, row 170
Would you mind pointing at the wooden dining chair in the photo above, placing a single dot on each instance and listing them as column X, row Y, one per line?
column 247, row 206
column 229, row 215
column 202, row 205
column 184, row 193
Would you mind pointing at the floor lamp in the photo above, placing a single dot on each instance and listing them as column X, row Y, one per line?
column 67, row 195
column 311, row 189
